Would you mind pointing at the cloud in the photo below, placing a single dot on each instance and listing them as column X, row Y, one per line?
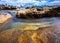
column 54, row 3
column 35, row 2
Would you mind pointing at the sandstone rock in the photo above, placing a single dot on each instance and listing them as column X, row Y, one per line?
column 4, row 20
column 18, row 36
column 51, row 35
column 35, row 13
column 4, row 17
column 42, row 35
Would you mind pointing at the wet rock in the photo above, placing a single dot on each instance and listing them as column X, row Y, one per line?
column 42, row 35
column 19, row 36
column 4, row 20
column 51, row 35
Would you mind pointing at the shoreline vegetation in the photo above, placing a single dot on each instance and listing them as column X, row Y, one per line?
column 49, row 34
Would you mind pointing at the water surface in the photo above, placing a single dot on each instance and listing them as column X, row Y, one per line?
column 20, row 23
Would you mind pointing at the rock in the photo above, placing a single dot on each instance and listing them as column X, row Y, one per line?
column 51, row 35
column 7, row 7
column 4, row 20
column 4, row 17
column 42, row 35
column 21, row 14
column 19, row 36
column 35, row 13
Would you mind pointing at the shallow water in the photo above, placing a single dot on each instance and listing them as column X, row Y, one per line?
column 20, row 23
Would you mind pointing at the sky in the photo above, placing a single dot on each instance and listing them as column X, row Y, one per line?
column 30, row 2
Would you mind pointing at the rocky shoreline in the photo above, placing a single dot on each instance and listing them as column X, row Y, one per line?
column 8, row 7
column 4, row 20
column 42, row 35
column 35, row 13
column 49, row 34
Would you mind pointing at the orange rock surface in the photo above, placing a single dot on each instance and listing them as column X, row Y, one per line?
column 42, row 35
column 4, row 17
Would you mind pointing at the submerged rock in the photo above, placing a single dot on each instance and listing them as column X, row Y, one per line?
column 34, row 13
